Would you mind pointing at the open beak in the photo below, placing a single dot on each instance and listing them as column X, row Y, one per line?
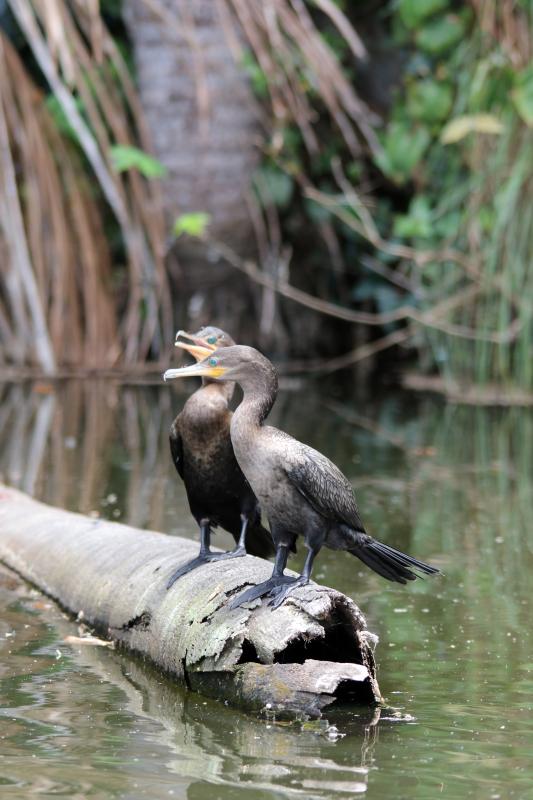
column 203, row 370
column 197, row 347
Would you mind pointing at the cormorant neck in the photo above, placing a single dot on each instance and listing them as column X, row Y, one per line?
column 260, row 389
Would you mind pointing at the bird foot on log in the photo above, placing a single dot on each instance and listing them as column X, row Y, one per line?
column 205, row 558
column 280, row 593
column 264, row 589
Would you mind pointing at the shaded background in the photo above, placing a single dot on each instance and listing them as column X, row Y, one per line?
column 322, row 178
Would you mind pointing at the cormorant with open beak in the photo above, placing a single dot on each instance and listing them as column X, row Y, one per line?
column 200, row 444
column 301, row 491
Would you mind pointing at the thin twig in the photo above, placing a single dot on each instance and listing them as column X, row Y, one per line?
column 429, row 318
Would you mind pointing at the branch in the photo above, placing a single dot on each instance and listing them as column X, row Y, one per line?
column 429, row 318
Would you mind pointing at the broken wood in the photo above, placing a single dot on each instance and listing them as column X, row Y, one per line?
column 313, row 650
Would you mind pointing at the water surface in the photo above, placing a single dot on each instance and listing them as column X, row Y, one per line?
column 451, row 485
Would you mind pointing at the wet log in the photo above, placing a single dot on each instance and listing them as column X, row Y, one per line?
column 311, row 652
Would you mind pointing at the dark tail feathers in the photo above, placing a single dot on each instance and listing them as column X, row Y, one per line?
column 259, row 541
column 390, row 563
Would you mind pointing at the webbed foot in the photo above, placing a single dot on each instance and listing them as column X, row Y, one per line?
column 261, row 590
column 279, row 593
column 237, row 552
column 205, row 558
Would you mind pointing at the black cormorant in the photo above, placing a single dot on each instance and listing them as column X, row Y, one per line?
column 300, row 490
column 200, row 444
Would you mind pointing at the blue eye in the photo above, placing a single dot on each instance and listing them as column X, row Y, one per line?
column 211, row 340
column 213, row 362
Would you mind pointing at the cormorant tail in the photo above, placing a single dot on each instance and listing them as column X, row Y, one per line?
column 259, row 541
column 390, row 563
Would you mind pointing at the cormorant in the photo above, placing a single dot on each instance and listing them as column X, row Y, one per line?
column 301, row 491
column 200, row 444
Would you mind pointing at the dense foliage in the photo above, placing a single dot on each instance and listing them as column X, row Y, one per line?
column 396, row 169
column 444, row 212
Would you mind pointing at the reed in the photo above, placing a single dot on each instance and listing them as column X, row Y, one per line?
column 64, row 306
column 495, row 206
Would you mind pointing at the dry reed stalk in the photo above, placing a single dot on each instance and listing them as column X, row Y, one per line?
column 81, row 64
column 508, row 24
column 68, row 257
column 292, row 53
column 21, row 286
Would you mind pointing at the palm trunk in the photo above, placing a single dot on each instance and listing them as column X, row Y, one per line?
column 203, row 124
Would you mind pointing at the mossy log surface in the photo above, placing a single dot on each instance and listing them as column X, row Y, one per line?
column 313, row 650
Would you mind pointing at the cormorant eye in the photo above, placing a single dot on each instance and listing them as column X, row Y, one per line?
column 211, row 340
column 213, row 362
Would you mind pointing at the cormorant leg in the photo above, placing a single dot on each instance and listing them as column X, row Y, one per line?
column 204, row 556
column 276, row 579
column 241, row 544
column 279, row 593
column 240, row 547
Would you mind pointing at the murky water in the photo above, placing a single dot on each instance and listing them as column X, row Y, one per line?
column 451, row 485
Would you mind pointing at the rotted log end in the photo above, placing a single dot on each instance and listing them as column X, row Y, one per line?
column 288, row 691
column 319, row 654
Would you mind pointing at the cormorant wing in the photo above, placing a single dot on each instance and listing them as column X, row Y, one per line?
column 176, row 446
column 324, row 486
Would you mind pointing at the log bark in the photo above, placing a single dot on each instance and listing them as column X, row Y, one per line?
column 312, row 651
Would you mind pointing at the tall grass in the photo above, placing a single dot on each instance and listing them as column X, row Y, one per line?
column 495, row 209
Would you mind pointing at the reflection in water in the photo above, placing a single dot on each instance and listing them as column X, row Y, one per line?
column 99, row 721
column 69, row 442
column 452, row 485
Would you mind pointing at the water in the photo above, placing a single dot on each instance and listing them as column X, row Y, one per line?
column 451, row 485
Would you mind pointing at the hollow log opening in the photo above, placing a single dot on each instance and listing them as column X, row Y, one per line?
column 340, row 643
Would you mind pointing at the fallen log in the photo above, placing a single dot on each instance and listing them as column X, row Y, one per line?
column 312, row 651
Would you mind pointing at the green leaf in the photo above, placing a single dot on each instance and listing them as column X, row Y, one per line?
column 61, row 120
column 256, row 76
column 125, row 157
column 430, row 101
column 458, row 128
column 417, row 223
column 441, row 34
column 413, row 12
column 522, row 95
column 193, row 224
column 448, row 225
column 274, row 186
column 316, row 212
column 403, row 147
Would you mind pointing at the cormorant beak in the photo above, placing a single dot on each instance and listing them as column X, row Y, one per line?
column 203, row 370
column 198, row 348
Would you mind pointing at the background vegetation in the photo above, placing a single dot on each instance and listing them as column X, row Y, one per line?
column 390, row 189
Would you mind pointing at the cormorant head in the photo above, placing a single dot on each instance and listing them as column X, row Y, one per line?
column 204, row 342
column 237, row 363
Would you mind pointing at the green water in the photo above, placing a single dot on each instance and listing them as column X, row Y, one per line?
column 451, row 485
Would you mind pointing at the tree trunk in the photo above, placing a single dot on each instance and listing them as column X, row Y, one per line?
column 297, row 659
column 203, row 123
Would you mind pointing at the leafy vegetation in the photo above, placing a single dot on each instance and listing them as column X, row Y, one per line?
column 407, row 208
column 446, row 229
column 192, row 224
column 125, row 157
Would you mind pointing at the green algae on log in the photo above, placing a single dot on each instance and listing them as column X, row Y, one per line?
column 313, row 650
